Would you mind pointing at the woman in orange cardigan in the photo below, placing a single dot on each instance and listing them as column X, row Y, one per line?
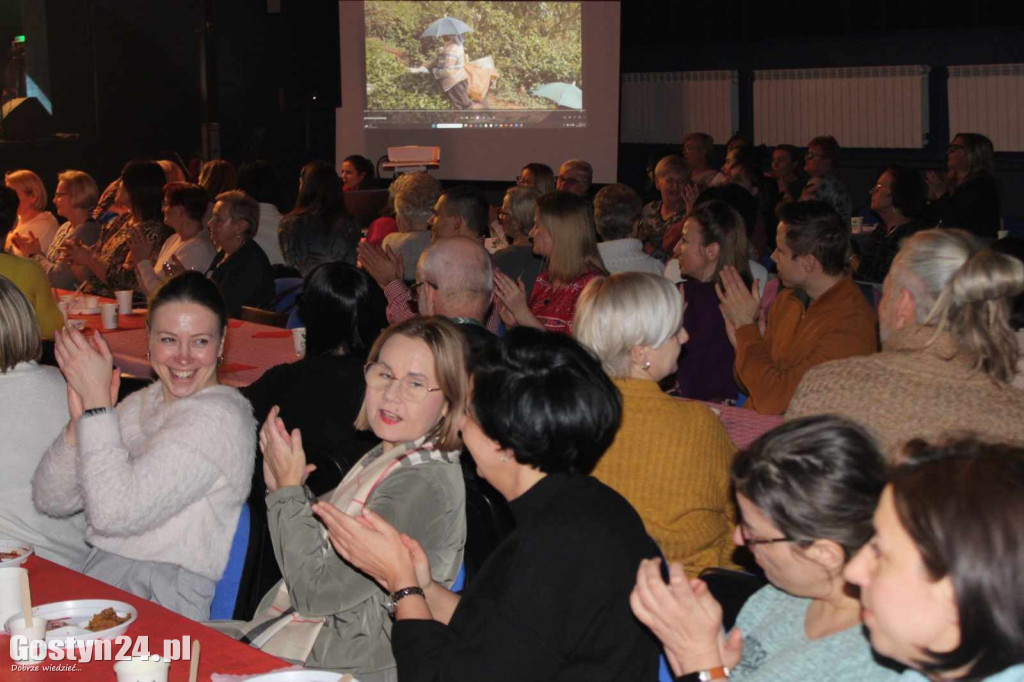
column 671, row 457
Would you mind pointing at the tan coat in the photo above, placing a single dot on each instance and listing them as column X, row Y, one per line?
column 913, row 389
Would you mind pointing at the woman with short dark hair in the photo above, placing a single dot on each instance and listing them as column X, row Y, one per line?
column 897, row 199
column 356, row 173
column 551, row 602
column 942, row 580
column 806, row 493
column 189, row 248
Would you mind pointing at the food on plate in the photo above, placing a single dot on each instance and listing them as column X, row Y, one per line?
column 7, row 556
column 56, row 625
column 104, row 620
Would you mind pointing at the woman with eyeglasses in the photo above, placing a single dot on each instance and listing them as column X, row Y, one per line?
column 326, row 613
column 538, row 176
column 806, row 493
column 967, row 194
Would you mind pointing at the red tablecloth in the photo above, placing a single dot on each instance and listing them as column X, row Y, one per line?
column 250, row 350
column 744, row 426
column 220, row 654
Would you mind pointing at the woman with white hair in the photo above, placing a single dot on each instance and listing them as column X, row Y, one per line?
column 948, row 351
column 670, row 458
column 33, row 218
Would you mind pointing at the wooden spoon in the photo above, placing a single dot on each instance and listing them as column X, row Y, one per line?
column 193, row 673
column 26, row 599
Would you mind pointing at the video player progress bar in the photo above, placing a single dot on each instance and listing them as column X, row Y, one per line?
column 450, row 125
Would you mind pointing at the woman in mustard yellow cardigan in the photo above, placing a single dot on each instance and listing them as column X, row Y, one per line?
column 671, row 457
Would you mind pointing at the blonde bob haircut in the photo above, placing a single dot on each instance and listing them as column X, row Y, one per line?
column 617, row 313
column 450, row 352
column 570, row 220
column 82, row 189
column 31, row 184
column 19, row 328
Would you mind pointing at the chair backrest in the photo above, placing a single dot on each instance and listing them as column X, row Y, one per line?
column 225, row 596
column 286, row 293
column 260, row 316
column 731, row 589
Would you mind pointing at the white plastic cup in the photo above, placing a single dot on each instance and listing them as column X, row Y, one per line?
column 124, row 301
column 65, row 308
column 92, row 302
column 108, row 314
column 36, row 633
column 68, row 299
column 299, row 341
column 152, row 669
column 10, row 592
column 856, row 224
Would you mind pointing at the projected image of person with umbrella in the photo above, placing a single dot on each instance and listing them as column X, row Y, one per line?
column 449, row 68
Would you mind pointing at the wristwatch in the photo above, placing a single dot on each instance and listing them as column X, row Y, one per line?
column 719, row 673
column 92, row 411
column 391, row 604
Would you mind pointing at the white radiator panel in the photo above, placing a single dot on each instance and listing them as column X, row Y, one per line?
column 663, row 107
column 878, row 106
column 988, row 99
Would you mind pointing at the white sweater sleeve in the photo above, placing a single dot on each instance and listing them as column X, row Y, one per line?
column 55, row 488
column 201, row 441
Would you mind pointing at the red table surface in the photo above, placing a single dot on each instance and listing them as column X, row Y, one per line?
column 51, row 582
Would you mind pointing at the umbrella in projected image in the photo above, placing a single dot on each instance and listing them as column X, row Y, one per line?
column 446, row 26
column 563, row 94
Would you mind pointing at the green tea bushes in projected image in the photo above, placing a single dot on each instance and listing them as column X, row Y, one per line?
column 416, row 51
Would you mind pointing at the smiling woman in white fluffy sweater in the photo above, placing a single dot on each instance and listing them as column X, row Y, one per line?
column 162, row 475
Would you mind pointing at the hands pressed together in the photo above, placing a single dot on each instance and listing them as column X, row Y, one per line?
column 284, row 460
column 384, row 266
column 28, row 244
column 685, row 617
column 740, row 306
column 88, row 367
column 510, row 297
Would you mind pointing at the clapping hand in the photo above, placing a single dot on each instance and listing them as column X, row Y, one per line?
column 384, row 266
column 739, row 305
column 141, row 249
column 77, row 253
column 685, row 617
column 510, row 295
column 690, row 193
column 937, row 184
column 284, row 460
column 88, row 366
column 27, row 244
column 376, row 548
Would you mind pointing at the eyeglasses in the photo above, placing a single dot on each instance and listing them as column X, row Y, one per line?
column 414, row 290
column 814, row 155
column 412, row 387
column 564, row 179
column 752, row 542
column 954, row 148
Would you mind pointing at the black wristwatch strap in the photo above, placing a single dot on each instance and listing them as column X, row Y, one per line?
column 96, row 410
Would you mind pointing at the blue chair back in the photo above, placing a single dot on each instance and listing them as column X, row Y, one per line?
column 664, row 674
column 460, row 580
column 286, row 293
column 226, row 594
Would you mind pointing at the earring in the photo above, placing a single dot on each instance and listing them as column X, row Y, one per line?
column 504, row 458
column 646, row 366
column 220, row 360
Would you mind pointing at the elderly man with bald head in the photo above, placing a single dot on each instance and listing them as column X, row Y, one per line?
column 454, row 278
